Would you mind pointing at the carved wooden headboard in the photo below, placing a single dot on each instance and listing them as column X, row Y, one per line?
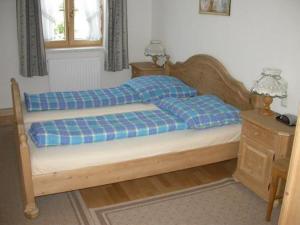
column 209, row 76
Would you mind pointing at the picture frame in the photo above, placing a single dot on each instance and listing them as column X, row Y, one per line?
column 215, row 7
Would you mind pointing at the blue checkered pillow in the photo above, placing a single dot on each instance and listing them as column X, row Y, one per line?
column 154, row 87
column 201, row 112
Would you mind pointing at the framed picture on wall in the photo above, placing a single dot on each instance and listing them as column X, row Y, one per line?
column 215, row 7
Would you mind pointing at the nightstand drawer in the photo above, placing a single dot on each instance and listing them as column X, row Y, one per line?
column 147, row 72
column 259, row 134
column 146, row 68
column 254, row 166
column 255, row 160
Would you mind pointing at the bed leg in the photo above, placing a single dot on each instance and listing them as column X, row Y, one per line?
column 235, row 177
column 31, row 211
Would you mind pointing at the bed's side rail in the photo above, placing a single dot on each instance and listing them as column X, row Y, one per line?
column 30, row 208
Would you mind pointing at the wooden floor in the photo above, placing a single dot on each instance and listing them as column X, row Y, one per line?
column 6, row 117
column 150, row 186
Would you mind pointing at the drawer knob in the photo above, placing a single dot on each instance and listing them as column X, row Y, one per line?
column 256, row 133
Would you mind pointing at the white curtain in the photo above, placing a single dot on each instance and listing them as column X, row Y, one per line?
column 88, row 20
column 49, row 9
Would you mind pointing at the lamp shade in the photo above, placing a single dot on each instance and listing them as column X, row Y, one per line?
column 155, row 48
column 270, row 83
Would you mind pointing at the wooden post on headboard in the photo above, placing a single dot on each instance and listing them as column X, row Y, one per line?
column 167, row 66
column 257, row 101
column 30, row 208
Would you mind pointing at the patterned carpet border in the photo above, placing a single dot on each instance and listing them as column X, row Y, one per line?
column 106, row 215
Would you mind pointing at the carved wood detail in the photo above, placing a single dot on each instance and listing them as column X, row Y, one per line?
column 209, row 76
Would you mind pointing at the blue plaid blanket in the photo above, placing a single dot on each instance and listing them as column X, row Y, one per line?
column 201, row 112
column 154, row 87
column 81, row 99
column 103, row 128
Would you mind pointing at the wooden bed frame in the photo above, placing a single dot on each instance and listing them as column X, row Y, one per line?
column 202, row 72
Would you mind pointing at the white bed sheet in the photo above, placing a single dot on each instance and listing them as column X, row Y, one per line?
column 31, row 117
column 61, row 158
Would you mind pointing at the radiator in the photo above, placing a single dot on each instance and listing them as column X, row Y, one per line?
column 74, row 72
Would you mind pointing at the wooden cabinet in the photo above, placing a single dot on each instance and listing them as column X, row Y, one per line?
column 263, row 140
column 145, row 68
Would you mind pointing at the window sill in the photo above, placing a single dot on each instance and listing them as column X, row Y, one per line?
column 79, row 49
column 63, row 53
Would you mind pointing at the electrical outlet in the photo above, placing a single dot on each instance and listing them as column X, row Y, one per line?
column 284, row 102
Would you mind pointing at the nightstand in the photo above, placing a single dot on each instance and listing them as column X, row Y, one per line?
column 145, row 68
column 263, row 140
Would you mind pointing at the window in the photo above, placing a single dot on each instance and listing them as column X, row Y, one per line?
column 72, row 23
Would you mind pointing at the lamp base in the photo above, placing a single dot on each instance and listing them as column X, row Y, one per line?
column 160, row 61
column 266, row 111
column 154, row 59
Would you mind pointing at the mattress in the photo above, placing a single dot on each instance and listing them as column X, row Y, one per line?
column 63, row 158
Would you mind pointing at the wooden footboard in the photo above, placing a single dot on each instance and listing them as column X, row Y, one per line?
column 203, row 72
column 116, row 172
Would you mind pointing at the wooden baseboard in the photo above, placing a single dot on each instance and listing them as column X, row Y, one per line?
column 6, row 116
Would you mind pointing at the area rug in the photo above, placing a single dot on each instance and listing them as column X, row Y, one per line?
column 54, row 209
column 225, row 202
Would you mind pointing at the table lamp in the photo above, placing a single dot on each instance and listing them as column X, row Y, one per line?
column 158, row 53
column 270, row 85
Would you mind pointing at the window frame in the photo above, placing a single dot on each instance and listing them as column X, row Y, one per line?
column 69, row 42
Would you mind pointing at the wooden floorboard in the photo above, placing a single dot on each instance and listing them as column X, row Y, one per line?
column 155, row 185
column 6, row 117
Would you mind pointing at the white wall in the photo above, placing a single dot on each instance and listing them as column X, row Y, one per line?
column 139, row 27
column 9, row 55
column 257, row 34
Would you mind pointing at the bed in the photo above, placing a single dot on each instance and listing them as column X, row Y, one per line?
column 202, row 72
